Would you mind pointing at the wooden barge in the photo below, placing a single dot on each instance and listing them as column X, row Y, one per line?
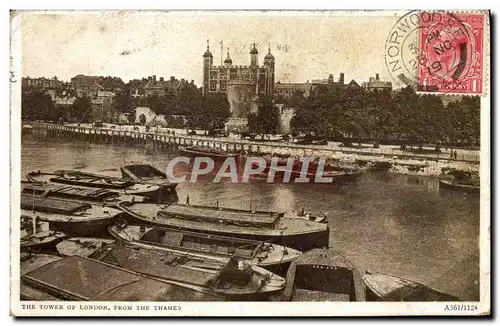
column 137, row 180
column 323, row 275
column 84, row 279
column 385, row 287
column 235, row 280
column 206, row 152
column 70, row 217
column 278, row 228
column 36, row 235
column 271, row 256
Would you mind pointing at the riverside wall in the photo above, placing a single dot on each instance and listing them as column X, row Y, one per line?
column 410, row 164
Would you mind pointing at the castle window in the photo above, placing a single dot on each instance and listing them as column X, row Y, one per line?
column 213, row 85
column 223, row 86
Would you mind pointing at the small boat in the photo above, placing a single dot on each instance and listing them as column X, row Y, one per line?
column 84, row 279
column 94, row 196
column 85, row 247
column 155, row 191
column 287, row 230
column 36, row 235
column 454, row 185
column 384, row 287
column 234, row 279
column 206, row 151
column 70, row 217
column 148, row 175
column 273, row 257
column 323, row 275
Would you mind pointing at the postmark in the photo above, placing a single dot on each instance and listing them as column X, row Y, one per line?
column 437, row 52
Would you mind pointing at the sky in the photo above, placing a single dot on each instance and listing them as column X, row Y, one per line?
column 131, row 45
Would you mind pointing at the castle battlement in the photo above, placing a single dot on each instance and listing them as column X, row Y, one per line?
column 238, row 67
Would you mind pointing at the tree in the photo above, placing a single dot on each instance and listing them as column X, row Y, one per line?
column 464, row 120
column 406, row 111
column 212, row 114
column 266, row 120
column 37, row 105
column 123, row 101
column 81, row 109
column 431, row 119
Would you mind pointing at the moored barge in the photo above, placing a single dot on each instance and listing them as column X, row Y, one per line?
column 137, row 180
column 94, row 196
column 84, row 279
column 385, row 287
column 70, row 217
column 206, row 152
column 271, row 256
column 36, row 235
column 235, row 279
column 323, row 275
column 279, row 228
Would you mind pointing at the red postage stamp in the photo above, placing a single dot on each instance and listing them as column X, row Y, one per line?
column 451, row 53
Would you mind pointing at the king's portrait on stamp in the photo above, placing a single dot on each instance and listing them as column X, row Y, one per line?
column 202, row 163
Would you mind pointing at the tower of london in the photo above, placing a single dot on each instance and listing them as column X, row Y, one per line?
column 244, row 84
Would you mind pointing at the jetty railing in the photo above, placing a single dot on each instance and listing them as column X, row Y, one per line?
column 117, row 135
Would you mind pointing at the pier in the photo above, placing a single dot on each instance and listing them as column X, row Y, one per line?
column 400, row 162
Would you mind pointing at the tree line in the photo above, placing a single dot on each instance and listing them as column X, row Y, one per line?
column 403, row 115
column 183, row 107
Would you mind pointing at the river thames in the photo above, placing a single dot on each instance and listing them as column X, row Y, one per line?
column 396, row 224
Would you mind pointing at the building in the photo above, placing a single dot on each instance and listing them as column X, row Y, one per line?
column 216, row 78
column 323, row 86
column 86, row 85
column 243, row 84
column 159, row 87
column 286, row 90
column 42, row 83
column 375, row 84
column 102, row 106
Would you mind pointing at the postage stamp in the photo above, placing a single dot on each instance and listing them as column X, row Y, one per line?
column 250, row 163
column 438, row 51
column 451, row 52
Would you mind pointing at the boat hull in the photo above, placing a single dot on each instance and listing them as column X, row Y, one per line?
column 384, row 287
column 45, row 245
column 83, row 228
column 443, row 184
column 274, row 258
column 152, row 191
column 302, row 242
column 205, row 153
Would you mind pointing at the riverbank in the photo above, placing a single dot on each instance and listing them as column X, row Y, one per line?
column 393, row 161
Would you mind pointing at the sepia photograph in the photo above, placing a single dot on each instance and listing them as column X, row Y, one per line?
column 314, row 159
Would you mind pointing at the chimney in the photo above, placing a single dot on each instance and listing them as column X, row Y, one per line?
column 161, row 79
column 341, row 78
column 150, row 78
column 330, row 79
column 376, row 77
column 154, row 77
column 172, row 78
